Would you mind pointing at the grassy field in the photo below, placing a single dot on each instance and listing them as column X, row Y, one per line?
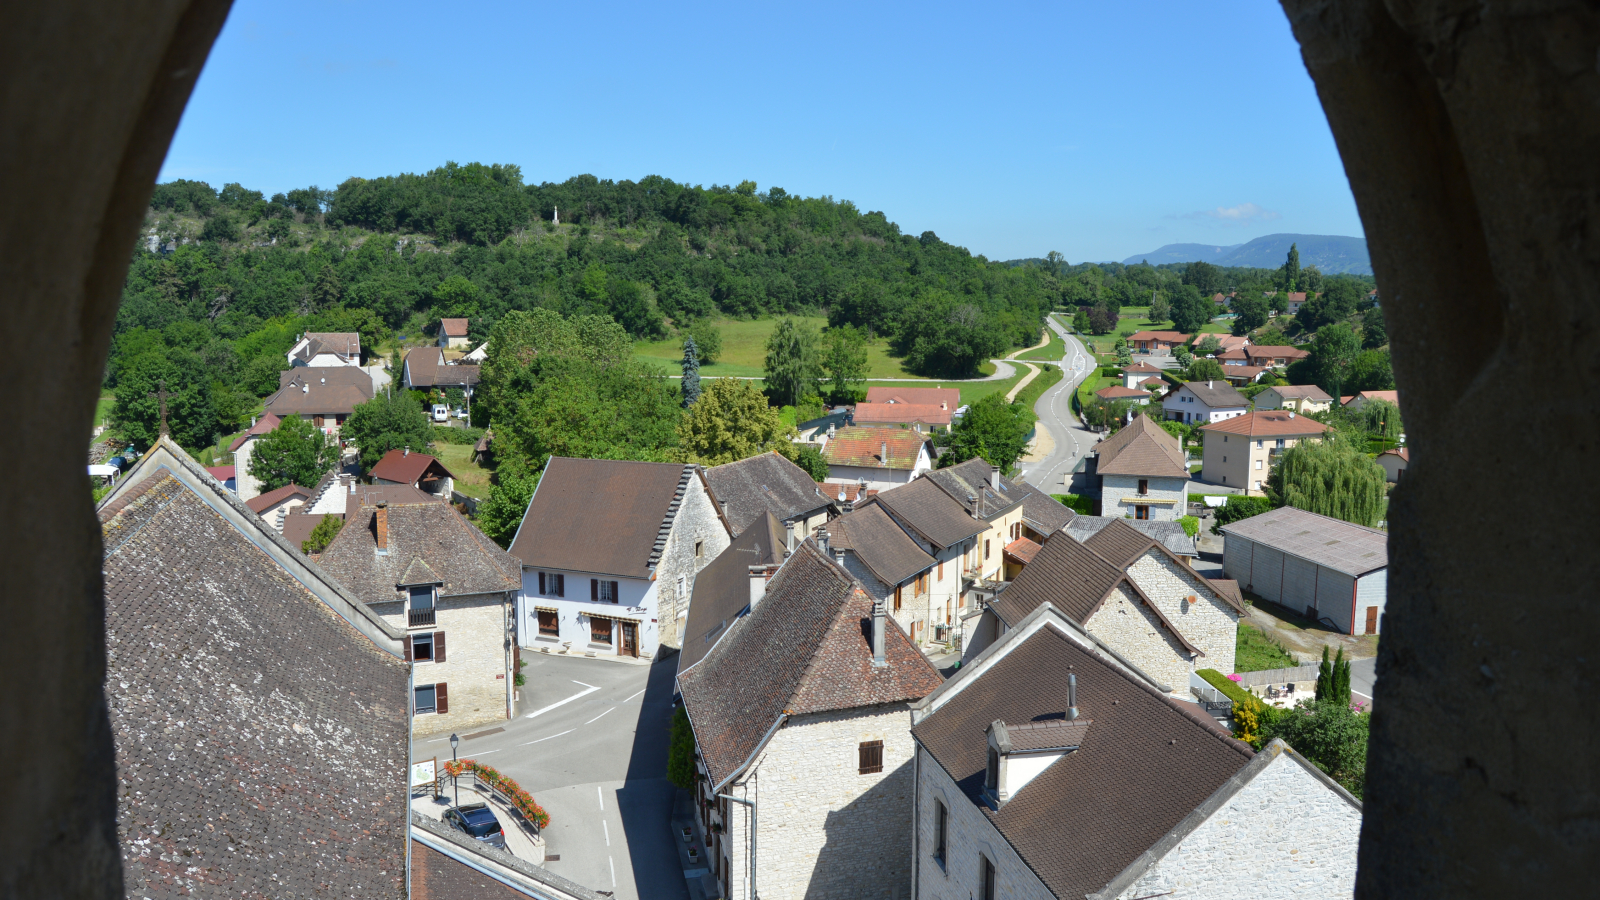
column 1051, row 350
column 102, row 409
column 471, row 478
column 1254, row 651
column 744, row 351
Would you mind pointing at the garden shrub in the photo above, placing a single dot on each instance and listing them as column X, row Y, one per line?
column 1229, row 689
column 520, row 798
column 1191, row 525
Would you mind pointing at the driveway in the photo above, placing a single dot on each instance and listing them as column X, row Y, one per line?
column 590, row 744
column 1068, row 439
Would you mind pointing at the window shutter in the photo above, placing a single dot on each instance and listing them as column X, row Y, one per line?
column 407, row 643
column 615, row 597
column 870, row 757
column 441, row 698
column 541, row 583
column 594, row 589
column 438, row 646
column 561, row 585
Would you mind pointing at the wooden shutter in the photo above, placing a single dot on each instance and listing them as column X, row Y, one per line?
column 407, row 642
column 594, row 589
column 541, row 583
column 870, row 757
column 438, row 646
column 441, row 698
column 615, row 597
column 941, row 571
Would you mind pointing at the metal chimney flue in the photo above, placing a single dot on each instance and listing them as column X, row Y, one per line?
column 879, row 617
column 1072, row 697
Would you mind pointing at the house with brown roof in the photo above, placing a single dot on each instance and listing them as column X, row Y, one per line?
column 1048, row 767
column 249, row 690
column 1168, row 532
column 274, row 505
column 1042, row 514
column 452, row 333
column 1143, row 473
column 243, row 449
column 325, row 397
column 1240, row 452
column 320, row 349
column 1233, row 356
column 725, row 589
column 923, row 417
column 1293, row 301
column 1131, row 592
column 747, row 489
column 432, row 575
column 894, row 570
column 1204, row 401
column 1274, row 356
column 1358, row 400
column 610, row 550
column 1394, row 462
column 1160, row 343
column 1336, row 571
column 1240, row 376
column 935, row 396
column 1116, row 392
column 419, row 470
column 1302, row 398
column 425, row 369
column 882, row 457
column 801, row 714
column 1139, row 373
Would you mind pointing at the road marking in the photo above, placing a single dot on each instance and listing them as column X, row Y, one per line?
column 485, row 753
column 635, row 695
column 540, row 712
column 607, row 829
column 599, row 717
column 568, row 731
column 601, row 797
column 613, row 865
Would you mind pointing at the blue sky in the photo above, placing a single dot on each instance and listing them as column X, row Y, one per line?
column 1100, row 130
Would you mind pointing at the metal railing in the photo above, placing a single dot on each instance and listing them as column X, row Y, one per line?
column 420, row 617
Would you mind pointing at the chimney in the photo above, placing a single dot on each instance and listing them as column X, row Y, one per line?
column 972, row 499
column 789, row 528
column 406, row 452
column 878, row 617
column 758, row 584
column 822, row 540
column 1209, row 382
column 883, row 453
column 381, row 523
column 838, row 556
column 1072, row 697
column 994, row 477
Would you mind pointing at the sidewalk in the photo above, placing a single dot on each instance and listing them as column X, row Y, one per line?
column 697, row 873
column 519, row 842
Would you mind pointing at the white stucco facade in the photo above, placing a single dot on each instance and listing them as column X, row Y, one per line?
column 1163, row 499
column 877, row 477
column 1182, row 405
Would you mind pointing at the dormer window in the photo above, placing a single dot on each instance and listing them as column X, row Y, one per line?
column 421, row 612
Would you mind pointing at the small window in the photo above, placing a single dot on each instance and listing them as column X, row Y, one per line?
column 985, row 548
column 988, row 880
column 422, row 647
column 1144, row 486
column 602, row 591
column 941, row 830
column 1258, row 443
column 558, row 585
column 898, row 590
column 1258, row 464
column 599, row 630
column 426, row 699
column 870, row 755
column 991, row 771
column 941, row 565
column 549, row 626
column 1141, row 512
column 421, row 598
column 1280, row 443
column 699, row 549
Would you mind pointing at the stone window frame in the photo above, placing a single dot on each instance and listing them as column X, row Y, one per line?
column 941, row 834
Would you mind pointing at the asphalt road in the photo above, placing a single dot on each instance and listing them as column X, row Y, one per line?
column 1363, row 673
column 1054, row 409
column 590, row 744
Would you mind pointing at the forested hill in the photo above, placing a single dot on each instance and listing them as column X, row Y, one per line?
column 1331, row 253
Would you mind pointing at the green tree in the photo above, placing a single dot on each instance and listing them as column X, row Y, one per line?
column 731, row 421
column 993, row 429
column 680, row 751
column 458, row 297
column 793, row 367
column 322, row 535
column 1333, row 353
column 1239, row 507
column 1209, row 345
column 502, row 512
column 191, row 410
column 1204, row 277
column 1374, row 333
column 1331, row 735
column 845, row 361
column 1381, row 419
column 1250, row 312
column 387, row 423
column 1182, row 356
column 1331, row 478
column 328, row 290
column 1080, row 321
column 690, row 385
column 1206, row 370
column 707, row 340
column 1190, row 311
column 1289, row 275
column 295, row 452
column 1160, row 308
column 806, row 457
column 221, row 227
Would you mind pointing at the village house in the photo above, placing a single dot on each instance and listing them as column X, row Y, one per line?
column 1355, row 402
column 1294, row 300
column 882, row 457
column 921, row 417
column 1117, row 392
column 231, row 743
column 1240, row 376
column 1160, row 343
column 1240, row 452
column 453, row 334
column 942, row 531
column 1139, row 374
column 800, row 713
column 1169, row 533
column 418, row 470
column 725, row 588
column 610, row 550
column 846, row 496
column 1334, row 571
column 1049, row 768
column 934, row 396
column 1143, row 473
column 1042, row 514
column 1226, row 342
column 1196, row 402
column 325, row 397
column 435, row 577
column 274, row 505
column 1278, row 356
column 1128, row 590
column 983, row 493
column 1303, row 399
column 1234, row 356
column 425, row 369
column 914, row 587
column 819, row 431
column 318, row 349
column 243, row 449
column 1394, row 462
column 768, row 483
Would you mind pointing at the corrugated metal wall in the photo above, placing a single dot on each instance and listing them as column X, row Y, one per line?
column 1295, row 583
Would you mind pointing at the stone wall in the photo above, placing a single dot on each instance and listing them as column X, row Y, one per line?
column 477, row 645
column 1209, row 623
column 1130, row 627
column 968, row 837
column 827, row 831
column 697, row 521
column 1285, row 835
column 1120, row 493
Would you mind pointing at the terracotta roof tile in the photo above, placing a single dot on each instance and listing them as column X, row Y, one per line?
column 453, row 327
column 765, row 483
column 603, row 516
column 864, row 447
column 1118, row 392
column 1268, row 423
column 262, row 503
column 402, row 467
column 1022, row 550
column 933, row 396
column 263, row 424
column 1174, row 337
column 1141, row 448
column 894, row 413
column 1298, row 391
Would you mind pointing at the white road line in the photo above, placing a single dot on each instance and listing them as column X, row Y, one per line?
column 601, row 797
column 568, row 731
column 613, row 865
column 599, row 717
column 607, row 829
column 635, row 695
column 540, row 712
column 485, row 753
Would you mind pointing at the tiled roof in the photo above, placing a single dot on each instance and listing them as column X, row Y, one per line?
column 969, row 484
column 456, row 376
column 1216, row 394
column 1144, row 764
column 1229, row 588
column 1141, row 448
column 1333, row 543
column 1258, row 351
column 453, row 552
column 373, row 494
column 1174, row 337
column 1231, row 341
column 881, row 545
column 1244, row 373
column 765, row 483
column 342, row 343
column 1141, row 368
column 1301, row 391
column 1170, row 534
column 864, row 447
column 263, row 424
column 934, row 396
column 609, row 517
column 928, row 511
column 1268, row 423
column 1118, row 392
column 1119, row 543
column 427, row 369
column 262, row 503
column 722, row 589
column 1233, row 353
column 845, row 492
column 260, row 737
column 435, row 876
column 894, row 413
column 220, row 473
column 297, row 526
column 1153, row 382
column 803, row 649
column 1391, row 396
column 453, row 327
column 1402, row 452
column 1023, row 550
column 1043, row 513
column 323, row 390
column 403, row 467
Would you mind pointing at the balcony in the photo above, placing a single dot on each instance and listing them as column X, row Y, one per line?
column 420, row 617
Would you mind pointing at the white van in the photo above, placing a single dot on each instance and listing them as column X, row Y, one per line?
column 441, row 412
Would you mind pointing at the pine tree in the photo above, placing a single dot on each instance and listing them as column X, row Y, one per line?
column 1291, row 268
column 1341, row 678
column 1325, row 676
column 691, row 373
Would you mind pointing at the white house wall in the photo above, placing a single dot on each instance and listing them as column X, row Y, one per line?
column 636, row 600
column 877, row 478
column 1209, row 623
column 1372, row 590
column 969, row 837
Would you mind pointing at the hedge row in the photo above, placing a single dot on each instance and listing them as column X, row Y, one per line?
column 1229, row 689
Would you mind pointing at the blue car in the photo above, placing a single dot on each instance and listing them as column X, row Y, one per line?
column 478, row 821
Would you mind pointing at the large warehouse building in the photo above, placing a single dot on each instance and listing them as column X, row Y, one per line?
column 1331, row 569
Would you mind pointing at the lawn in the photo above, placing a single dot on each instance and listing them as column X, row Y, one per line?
column 1051, row 350
column 744, row 351
column 102, row 409
column 1255, row 652
column 471, row 478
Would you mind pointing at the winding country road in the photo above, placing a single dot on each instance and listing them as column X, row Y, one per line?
column 1069, row 439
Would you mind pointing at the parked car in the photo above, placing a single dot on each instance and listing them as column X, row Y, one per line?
column 441, row 413
column 478, row 821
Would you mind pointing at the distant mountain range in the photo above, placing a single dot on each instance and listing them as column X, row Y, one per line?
column 1331, row 253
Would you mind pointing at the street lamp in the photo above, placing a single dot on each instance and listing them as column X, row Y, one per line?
column 455, row 779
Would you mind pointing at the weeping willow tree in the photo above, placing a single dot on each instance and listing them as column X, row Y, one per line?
column 1330, row 478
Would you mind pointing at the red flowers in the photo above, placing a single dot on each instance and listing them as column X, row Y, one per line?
column 519, row 798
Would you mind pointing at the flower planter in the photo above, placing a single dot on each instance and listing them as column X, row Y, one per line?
column 688, row 832
column 694, row 855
